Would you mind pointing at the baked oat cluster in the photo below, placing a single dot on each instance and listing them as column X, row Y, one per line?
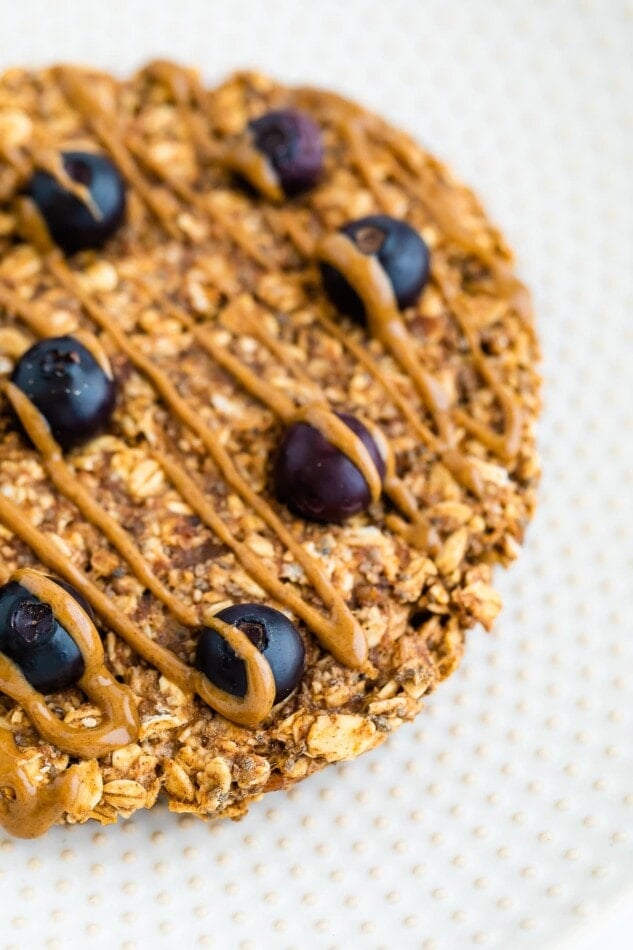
column 267, row 423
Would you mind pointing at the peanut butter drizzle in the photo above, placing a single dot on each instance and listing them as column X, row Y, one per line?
column 346, row 640
column 32, row 226
column 25, row 310
column 418, row 530
column 186, row 90
column 90, row 342
column 325, row 632
column 371, row 283
column 241, row 710
column 462, row 467
column 342, row 636
column 120, row 722
column 335, row 431
column 48, row 159
column 419, row 533
column 352, row 131
column 31, row 809
column 251, row 317
column 302, row 241
column 507, row 444
column 67, row 483
column 278, row 402
column 428, row 191
column 104, row 125
column 242, row 157
column 204, row 203
column 239, row 156
column 318, row 415
column 386, row 324
column 251, row 709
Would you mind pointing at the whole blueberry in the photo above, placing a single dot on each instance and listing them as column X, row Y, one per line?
column 63, row 379
column 33, row 638
column 400, row 250
column 71, row 223
column 292, row 142
column 273, row 635
column 315, row 479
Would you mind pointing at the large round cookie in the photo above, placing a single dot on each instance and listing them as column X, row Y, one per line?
column 209, row 304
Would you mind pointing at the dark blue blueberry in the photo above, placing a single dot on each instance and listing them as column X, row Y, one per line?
column 63, row 379
column 315, row 479
column 70, row 222
column 273, row 635
column 33, row 638
column 401, row 251
column 292, row 142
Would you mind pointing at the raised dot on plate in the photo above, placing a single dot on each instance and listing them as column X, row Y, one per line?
column 619, row 837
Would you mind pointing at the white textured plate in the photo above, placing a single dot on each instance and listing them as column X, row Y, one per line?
column 502, row 817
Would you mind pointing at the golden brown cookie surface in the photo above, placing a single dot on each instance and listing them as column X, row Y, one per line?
column 217, row 290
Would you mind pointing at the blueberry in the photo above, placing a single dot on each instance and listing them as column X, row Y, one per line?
column 273, row 635
column 63, row 379
column 292, row 142
column 70, row 221
column 400, row 250
column 33, row 638
column 315, row 479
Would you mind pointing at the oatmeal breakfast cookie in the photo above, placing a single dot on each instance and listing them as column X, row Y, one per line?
column 266, row 421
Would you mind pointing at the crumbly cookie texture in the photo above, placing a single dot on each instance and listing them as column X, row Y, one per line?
column 224, row 258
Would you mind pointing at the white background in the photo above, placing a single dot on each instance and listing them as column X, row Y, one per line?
column 502, row 817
